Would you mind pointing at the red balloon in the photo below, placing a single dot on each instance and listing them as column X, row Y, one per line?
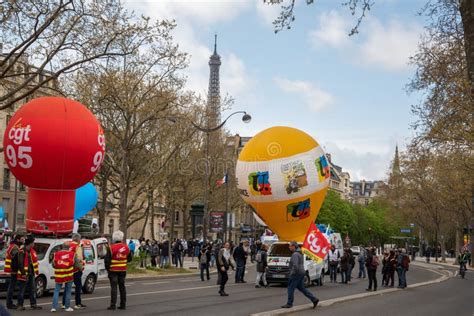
column 53, row 144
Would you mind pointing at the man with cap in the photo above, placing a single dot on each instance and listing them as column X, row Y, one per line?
column 296, row 277
column 28, row 269
column 11, row 267
column 116, row 264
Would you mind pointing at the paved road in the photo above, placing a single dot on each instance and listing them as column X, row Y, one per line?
column 187, row 295
column 452, row 297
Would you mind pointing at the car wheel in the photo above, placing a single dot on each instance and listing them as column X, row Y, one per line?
column 40, row 286
column 89, row 284
column 307, row 280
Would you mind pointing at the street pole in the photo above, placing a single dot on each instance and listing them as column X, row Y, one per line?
column 226, row 204
column 206, row 189
column 15, row 197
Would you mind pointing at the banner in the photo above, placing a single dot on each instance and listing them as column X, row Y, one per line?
column 315, row 244
column 216, row 221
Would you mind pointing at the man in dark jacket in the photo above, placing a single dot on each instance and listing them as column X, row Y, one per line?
column 296, row 277
column 240, row 257
column 372, row 262
column 261, row 259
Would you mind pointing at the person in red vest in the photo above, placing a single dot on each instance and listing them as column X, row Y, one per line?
column 11, row 267
column 28, row 269
column 63, row 265
column 116, row 264
column 76, row 247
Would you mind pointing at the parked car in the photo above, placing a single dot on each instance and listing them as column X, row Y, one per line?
column 94, row 252
column 278, row 261
column 356, row 250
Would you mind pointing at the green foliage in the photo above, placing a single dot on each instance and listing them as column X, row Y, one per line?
column 372, row 224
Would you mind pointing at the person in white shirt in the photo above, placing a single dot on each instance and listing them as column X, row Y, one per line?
column 333, row 260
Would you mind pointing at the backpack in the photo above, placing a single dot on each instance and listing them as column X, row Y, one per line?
column 405, row 262
column 375, row 261
column 258, row 257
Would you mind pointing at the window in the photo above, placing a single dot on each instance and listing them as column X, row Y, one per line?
column 88, row 253
column 102, row 250
column 41, row 250
column 20, row 215
column 22, row 186
column 5, row 202
column 6, row 179
column 280, row 250
column 176, row 217
column 366, row 202
column 111, row 226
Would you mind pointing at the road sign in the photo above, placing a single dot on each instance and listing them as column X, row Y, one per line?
column 405, row 230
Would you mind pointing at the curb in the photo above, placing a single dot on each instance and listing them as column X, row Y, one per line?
column 445, row 275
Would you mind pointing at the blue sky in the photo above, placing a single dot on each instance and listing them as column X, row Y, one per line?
column 347, row 92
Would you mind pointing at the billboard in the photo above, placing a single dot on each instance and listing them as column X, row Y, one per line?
column 216, row 221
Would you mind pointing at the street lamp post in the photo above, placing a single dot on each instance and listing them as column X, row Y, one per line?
column 246, row 118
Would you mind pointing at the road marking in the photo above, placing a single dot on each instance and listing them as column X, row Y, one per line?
column 108, row 287
column 159, row 282
column 149, row 293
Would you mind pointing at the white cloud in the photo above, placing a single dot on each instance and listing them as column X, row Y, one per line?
column 390, row 45
column 332, row 30
column 315, row 97
column 385, row 45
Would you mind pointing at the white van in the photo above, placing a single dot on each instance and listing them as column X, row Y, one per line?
column 278, row 261
column 94, row 252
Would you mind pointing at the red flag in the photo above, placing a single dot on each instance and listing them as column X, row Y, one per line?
column 315, row 244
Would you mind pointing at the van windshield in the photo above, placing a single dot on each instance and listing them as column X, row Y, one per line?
column 280, row 250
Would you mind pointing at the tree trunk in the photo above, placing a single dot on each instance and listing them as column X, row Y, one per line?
column 466, row 9
column 147, row 214
column 103, row 207
column 458, row 242
column 152, row 209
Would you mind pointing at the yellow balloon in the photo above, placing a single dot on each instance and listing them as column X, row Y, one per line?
column 283, row 174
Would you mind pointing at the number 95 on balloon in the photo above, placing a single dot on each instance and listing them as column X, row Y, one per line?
column 20, row 156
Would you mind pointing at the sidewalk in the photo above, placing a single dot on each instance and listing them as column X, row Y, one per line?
column 451, row 262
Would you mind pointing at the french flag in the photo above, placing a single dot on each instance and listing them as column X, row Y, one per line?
column 222, row 181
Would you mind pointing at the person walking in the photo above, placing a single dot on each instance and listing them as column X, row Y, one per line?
column 361, row 259
column 403, row 262
column 28, row 270
column 11, row 267
column 204, row 260
column 372, row 262
column 63, row 265
column 223, row 264
column 240, row 257
column 296, row 277
column 333, row 261
column 261, row 258
column 116, row 264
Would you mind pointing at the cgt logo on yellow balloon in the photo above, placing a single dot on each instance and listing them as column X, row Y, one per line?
column 283, row 174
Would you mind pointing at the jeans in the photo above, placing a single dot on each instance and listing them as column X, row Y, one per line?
column 239, row 271
column 204, row 266
column 372, row 278
column 67, row 294
column 164, row 261
column 30, row 283
column 402, row 281
column 117, row 278
column 261, row 276
column 297, row 282
column 224, row 277
column 333, row 272
column 178, row 259
column 349, row 273
column 11, row 289
column 343, row 276
column 361, row 269
column 77, row 288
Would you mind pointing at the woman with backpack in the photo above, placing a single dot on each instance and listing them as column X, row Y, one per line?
column 261, row 259
column 372, row 262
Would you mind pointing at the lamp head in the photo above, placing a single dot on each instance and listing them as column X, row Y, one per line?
column 246, row 118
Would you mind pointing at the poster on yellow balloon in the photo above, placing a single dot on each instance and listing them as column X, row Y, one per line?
column 283, row 174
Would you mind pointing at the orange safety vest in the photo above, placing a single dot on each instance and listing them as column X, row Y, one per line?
column 120, row 253
column 26, row 261
column 75, row 247
column 8, row 259
column 64, row 266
